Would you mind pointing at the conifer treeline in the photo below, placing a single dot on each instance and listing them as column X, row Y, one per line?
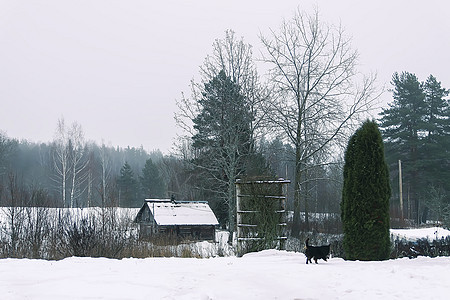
column 416, row 129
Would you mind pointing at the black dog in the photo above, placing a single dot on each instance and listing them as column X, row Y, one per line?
column 320, row 252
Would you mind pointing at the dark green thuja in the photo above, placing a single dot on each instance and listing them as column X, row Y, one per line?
column 365, row 196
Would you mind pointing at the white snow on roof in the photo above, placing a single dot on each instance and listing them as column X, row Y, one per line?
column 157, row 200
column 190, row 213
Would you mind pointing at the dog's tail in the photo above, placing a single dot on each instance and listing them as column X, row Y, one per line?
column 307, row 242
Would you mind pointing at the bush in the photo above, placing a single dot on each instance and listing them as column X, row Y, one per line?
column 51, row 233
column 365, row 196
column 81, row 238
column 420, row 247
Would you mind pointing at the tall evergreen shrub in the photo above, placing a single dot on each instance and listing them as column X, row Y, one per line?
column 365, row 196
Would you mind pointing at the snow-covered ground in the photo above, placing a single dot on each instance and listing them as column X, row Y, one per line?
column 269, row 274
column 431, row 233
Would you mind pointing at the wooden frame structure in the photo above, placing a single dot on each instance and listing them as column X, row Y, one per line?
column 261, row 214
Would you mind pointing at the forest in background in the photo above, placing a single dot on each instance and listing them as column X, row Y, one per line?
column 123, row 177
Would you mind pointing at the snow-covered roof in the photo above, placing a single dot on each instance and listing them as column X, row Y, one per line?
column 166, row 212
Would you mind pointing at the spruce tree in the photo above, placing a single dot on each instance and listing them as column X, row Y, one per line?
column 151, row 181
column 365, row 196
column 222, row 143
column 127, row 185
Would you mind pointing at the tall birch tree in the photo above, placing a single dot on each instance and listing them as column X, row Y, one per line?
column 106, row 169
column 69, row 161
column 61, row 159
column 78, row 161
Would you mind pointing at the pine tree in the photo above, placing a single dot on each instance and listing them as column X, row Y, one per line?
column 403, row 120
column 437, row 108
column 151, row 181
column 436, row 141
column 416, row 128
column 402, row 125
column 127, row 185
column 365, row 196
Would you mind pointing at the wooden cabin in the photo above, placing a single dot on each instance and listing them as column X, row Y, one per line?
column 185, row 219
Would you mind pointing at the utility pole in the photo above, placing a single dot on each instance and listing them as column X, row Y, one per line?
column 400, row 187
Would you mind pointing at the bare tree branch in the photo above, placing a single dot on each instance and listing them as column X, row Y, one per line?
column 315, row 94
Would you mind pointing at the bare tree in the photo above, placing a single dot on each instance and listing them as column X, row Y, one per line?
column 315, row 95
column 229, row 70
column 6, row 148
column 69, row 161
column 37, row 228
column 105, row 163
column 15, row 214
column 91, row 175
column 61, row 159
column 177, row 177
column 79, row 161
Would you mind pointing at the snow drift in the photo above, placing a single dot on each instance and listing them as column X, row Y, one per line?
column 269, row 274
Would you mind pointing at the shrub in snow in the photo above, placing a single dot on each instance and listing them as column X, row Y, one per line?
column 421, row 247
column 81, row 238
column 365, row 196
column 56, row 233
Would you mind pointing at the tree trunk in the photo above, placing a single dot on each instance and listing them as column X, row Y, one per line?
column 231, row 210
column 297, row 187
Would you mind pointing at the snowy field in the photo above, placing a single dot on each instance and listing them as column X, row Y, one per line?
column 431, row 233
column 269, row 274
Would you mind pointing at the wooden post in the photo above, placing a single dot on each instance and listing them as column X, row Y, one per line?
column 238, row 219
column 284, row 193
column 400, row 187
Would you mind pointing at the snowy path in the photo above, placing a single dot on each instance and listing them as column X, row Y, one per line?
column 266, row 275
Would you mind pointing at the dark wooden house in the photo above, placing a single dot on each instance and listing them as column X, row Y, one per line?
column 186, row 219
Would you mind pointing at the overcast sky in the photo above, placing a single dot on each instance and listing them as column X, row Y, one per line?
column 117, row 67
